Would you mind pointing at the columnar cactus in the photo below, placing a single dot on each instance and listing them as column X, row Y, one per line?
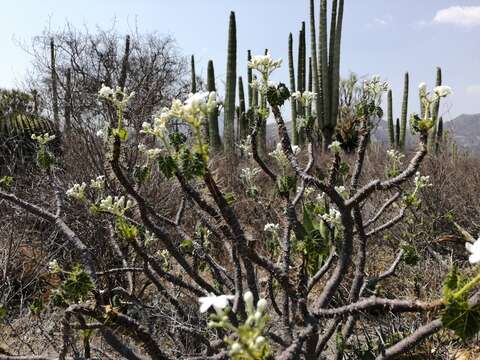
column 327, row 66
column 397, row 134
column 291, row 70
column 439, row 136
column 301, row 75
column 214, row 135
column 56, row 117
column 242, row 116
column 391, row 130
column 194, row 76
column 250, row 79
column 230, row 89
column 403, row 129
column 435, row 111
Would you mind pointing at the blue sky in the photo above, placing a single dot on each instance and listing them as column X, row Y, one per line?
column 385, row 37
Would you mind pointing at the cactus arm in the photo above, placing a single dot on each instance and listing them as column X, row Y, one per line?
column 229, row 129
column 293, row 105
column 391, row 130
column 403, row 129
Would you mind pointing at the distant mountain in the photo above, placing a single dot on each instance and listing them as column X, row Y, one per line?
column 464, row 129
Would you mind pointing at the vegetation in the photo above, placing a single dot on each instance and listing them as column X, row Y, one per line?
column 148, row 243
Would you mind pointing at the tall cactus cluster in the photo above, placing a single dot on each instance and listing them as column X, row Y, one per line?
column 397, row 133
column 230, row 89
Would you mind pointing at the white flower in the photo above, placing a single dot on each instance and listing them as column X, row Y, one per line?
column 306, row 98
column 98, row 183
column 217, row 302
column 333, row 218
column 421, row 181
column 335, row 147
column 442, row 91
column 422, row 87
column 259, row 341
column 236, row 348
column 296, row 149
column 248, row 298
column 264, row 64
column 262, row 305
column 43, row 139
column 116, row 206
column 375, row 87
column 342, row 190
column 474, row 250
column 100, row 133
column 77, row 191
column 105, row 92
column 249, row 174
column 270, row 227
column 54, row 267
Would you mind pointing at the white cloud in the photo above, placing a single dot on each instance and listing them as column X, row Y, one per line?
column 473, row 89
column 467, row 16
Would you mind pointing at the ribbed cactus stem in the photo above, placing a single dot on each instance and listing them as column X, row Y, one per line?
column 242, row 116
column 316, row 68
column 435, row 111
column 122, row 81
column 194, row 76
column 403, row 130
column 300, row 67
column 439, row 137
column 230, row 89
column 391, row 130
column 53, row 70
column 334, row 86
column 250, row 79
column 293, row 105
column 397, row 133
column 213, row 132
column 326, row 70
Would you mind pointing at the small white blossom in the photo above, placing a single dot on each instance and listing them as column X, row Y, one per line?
column 474, row 250
column 43, row 139
column 306, row 98
column 98, row 183
column 105, row 92
column 264, row 64
column 442, row 91
column 296, row 149
column 335, row 147
column 333, row 218
column 374, row 87
column 422, row 87
column 342, row 190
column 53, row 266
column 270, row 227
column 421, row 181
column 217, row 302
column 116, row 206
column 77, row 191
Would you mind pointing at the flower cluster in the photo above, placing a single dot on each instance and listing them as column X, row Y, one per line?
column 77, row 191
column 152, row 154
column 374, row 87
column 395, row 158
column 474, row 250
column 280, row 156
column 98, row 183
column 248, row 177
column 428, row 99
column 335, row 147
column 306, row 98
column 118, row 96
column 159, row 126
column 264, row 64
column 434, row 95
column 270, row 227
column 333, row 218
column 342, row 190
column 116, row 206
column 421, row 181
column 43, row 139
column 247, row 341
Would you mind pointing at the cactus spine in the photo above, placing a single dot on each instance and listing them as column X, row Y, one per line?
column 391, row 130
column 229, row 128
column 403, row 129
column 291, row 71
column 194, row 77
column 53, row 70
column 214, row 135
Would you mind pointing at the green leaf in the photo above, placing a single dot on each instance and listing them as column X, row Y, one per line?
column 121, row 133
column 463, row 319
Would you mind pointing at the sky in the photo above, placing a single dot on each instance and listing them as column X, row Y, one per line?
column 384, row 37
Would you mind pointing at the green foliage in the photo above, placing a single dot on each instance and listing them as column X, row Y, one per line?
column 126, row 230
column 3, row 312
column 75, row 288
column 6, row 182
column 45, row 158
column 167, row 166
column 191, row 163
column 410, row 255
column 459, row 315
column 420, row 125
column 37, row 306
column 121, row 133
column 316, row 243
column 276, row 96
